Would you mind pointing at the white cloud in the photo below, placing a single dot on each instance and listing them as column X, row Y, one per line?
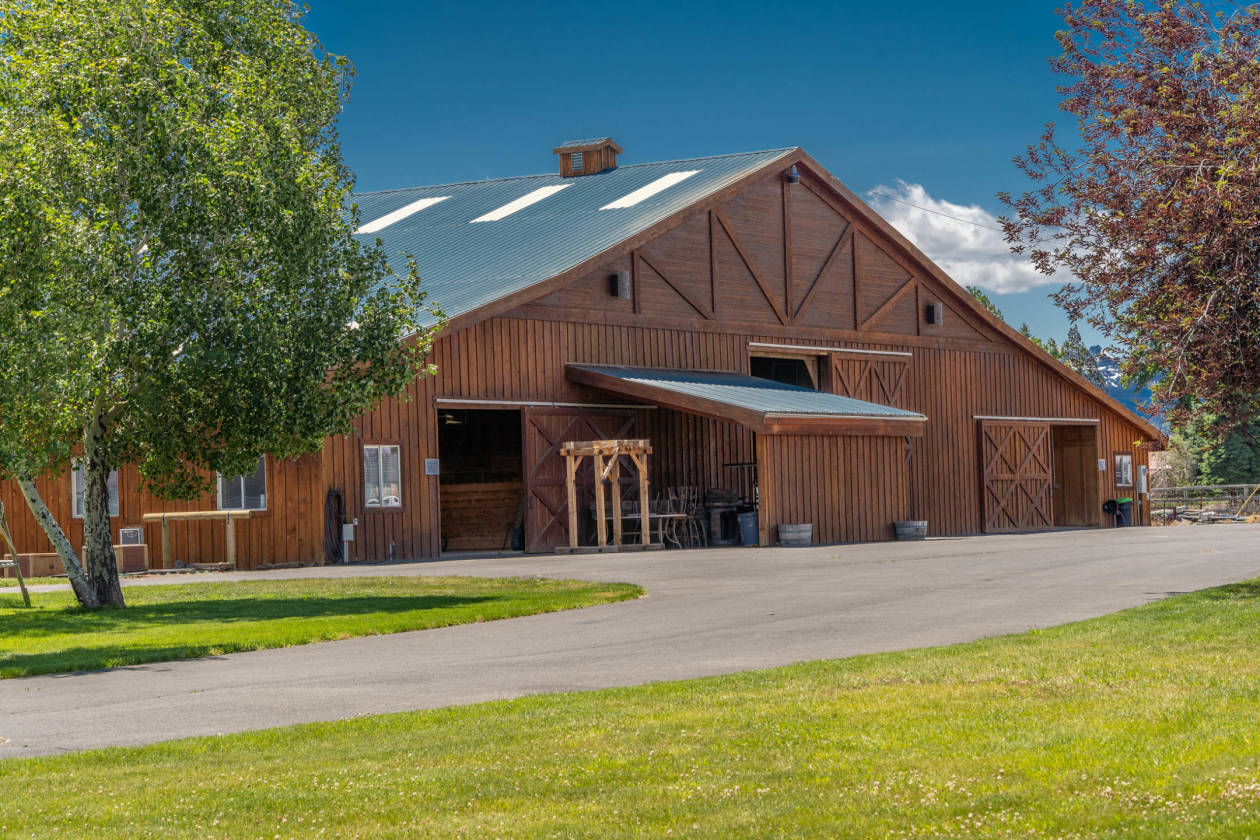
column 973, row 256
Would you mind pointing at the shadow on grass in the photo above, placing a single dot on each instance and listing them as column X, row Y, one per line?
column 37, row 623
column 149, row 632
column 70, row 662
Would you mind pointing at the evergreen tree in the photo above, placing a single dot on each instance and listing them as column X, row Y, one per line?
column 1229, row 457
column 1048, row 344
column 1077, row 356
column 978, row 293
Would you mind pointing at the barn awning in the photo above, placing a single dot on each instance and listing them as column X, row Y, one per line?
column 764, row 406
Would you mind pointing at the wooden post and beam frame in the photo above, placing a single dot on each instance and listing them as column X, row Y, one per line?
column 229, row 517
column 606, row 459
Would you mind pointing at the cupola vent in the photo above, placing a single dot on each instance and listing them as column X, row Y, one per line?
column 587, row 157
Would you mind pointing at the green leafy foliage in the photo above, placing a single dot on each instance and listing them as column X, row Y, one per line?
column 179, row 283
column 1222, row 454
column 1047, row 344
column 980, row 295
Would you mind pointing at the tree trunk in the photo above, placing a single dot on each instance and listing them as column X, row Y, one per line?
column 98, row 540
column 83, row 589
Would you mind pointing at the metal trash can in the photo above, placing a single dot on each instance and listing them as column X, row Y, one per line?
column 1124, row 511
column 749, row 532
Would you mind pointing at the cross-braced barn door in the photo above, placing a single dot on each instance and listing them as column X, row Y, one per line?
column 546, row 499
column 878, row 379
column 1016, row 461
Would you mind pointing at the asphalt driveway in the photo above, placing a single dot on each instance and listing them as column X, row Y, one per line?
column 707, row 612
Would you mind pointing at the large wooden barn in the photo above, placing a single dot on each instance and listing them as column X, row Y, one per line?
column 770, row 334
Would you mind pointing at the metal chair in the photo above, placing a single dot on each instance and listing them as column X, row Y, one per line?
column 666, row 510
column 690, row 504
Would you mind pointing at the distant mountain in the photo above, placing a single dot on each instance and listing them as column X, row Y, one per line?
column 1109, row 366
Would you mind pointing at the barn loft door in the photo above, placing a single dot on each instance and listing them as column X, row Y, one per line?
column 1016, row 461
column 877, row 379
column 545, row 431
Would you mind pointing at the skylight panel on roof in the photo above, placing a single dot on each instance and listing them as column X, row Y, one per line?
column 400, row 214
column 521, row 203
column 648, row 190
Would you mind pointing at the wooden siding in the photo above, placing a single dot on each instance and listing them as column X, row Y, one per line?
column 289, row 531
column 851, row 489
column 779, row 263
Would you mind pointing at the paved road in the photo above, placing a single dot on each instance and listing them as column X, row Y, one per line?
column 708, row 612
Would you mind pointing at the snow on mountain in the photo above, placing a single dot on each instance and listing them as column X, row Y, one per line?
column 1109, row 366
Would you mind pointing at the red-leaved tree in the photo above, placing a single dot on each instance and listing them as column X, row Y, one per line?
column 1155, row 212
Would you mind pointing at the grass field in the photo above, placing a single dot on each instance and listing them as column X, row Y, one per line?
column 35, row 581
column 204, row 619
column 1144, row 724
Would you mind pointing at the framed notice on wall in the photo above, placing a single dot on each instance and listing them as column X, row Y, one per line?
column 432, row 466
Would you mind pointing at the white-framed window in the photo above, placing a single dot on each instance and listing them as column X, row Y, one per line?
column 382, row 476
column 245, row 492
column 76, row 480
column 1124, row 469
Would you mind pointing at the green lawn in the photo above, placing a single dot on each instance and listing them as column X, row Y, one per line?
column 204, row 619
column 1142, row 724
column 35, row 581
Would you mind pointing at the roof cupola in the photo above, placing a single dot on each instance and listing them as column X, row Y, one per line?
column 587, row 157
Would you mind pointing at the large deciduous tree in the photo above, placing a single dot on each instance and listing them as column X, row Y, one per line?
column 179, row 284
column 1155, row 210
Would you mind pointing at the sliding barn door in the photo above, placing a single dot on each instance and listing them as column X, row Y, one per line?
column 1016, row 458
column 546, row 497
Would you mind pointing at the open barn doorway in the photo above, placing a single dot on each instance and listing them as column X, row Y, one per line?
column 482, row 485
column 1075, row 458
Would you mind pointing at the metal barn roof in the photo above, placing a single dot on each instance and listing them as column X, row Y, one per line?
column 465, row 265
column 760, row 404
column 582, row 144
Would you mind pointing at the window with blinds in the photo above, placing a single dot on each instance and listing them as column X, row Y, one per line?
column 77, row 479
column 244, row 492
column 382, row 477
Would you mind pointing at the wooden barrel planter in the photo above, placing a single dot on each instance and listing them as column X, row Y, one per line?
column 911, row 529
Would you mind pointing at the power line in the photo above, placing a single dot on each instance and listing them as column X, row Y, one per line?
column 875, row 192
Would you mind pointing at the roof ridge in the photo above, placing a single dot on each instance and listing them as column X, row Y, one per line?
column 557, row 174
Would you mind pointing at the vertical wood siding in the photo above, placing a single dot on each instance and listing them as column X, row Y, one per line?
column 851, row 489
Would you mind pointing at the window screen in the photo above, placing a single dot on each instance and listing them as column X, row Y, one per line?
column 382, row 477
column 112, row 484
column 245, row 492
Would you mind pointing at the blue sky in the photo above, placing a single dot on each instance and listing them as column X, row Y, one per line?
column 925, row 102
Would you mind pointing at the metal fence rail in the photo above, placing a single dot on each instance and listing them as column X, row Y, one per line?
column 1219, row 501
